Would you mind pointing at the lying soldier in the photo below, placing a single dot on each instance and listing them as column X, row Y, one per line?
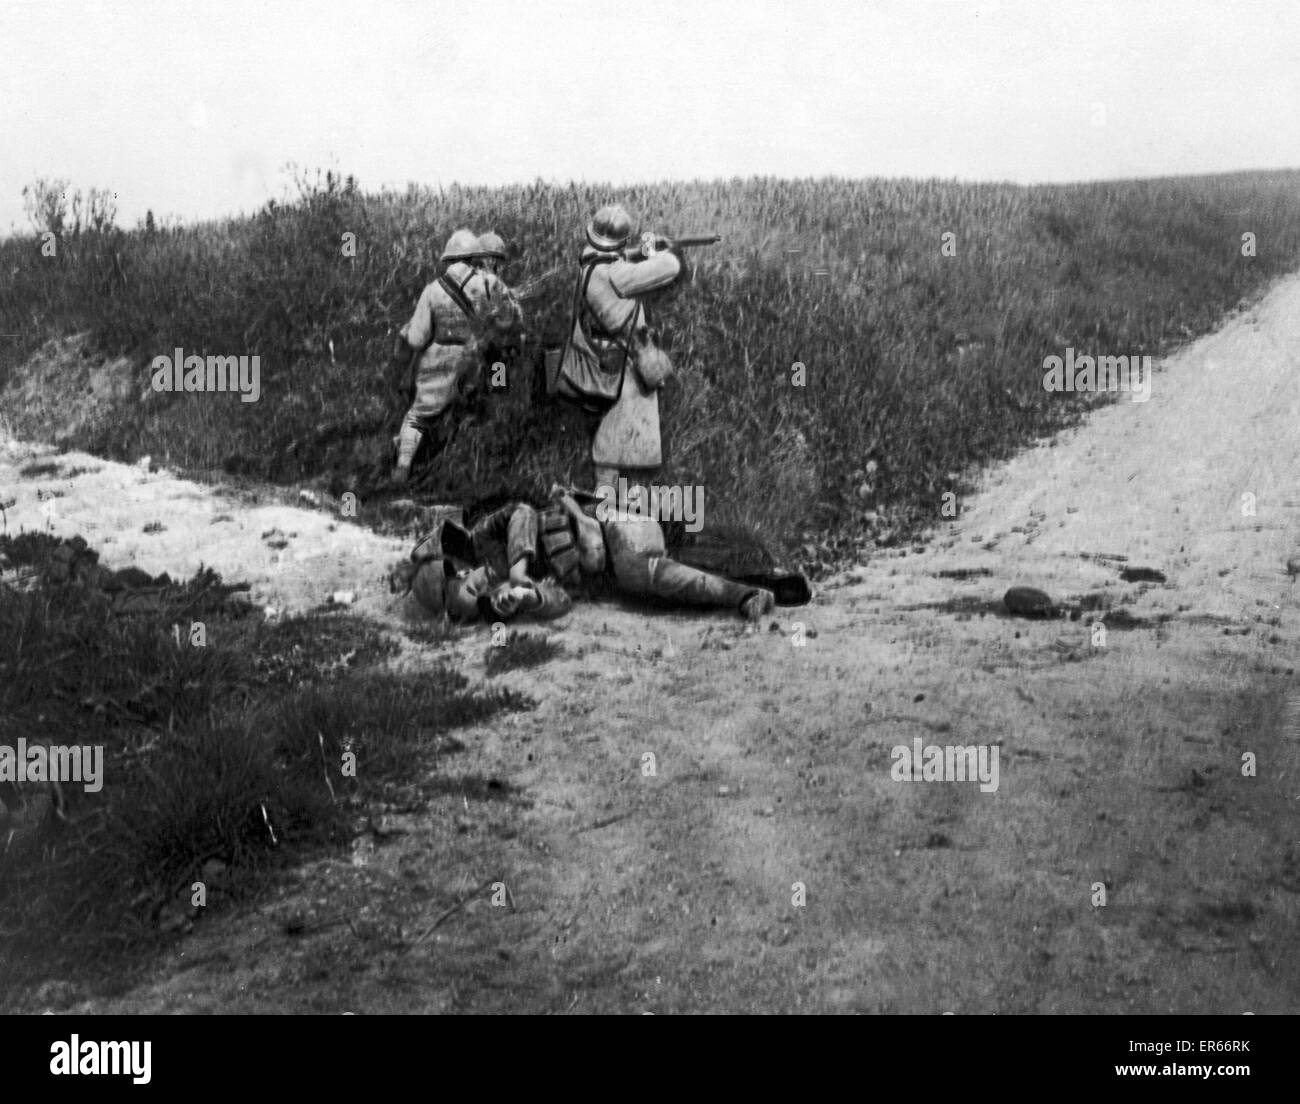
column 519, row 560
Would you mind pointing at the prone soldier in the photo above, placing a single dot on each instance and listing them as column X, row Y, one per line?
column 520, row 560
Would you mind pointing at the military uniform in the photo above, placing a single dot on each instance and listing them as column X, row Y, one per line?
column 554, row 546
column 505, row 346
column 628, row 436
column 456, row 318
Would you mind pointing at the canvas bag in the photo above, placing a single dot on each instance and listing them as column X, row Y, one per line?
column 578, row 374
column 653, row 364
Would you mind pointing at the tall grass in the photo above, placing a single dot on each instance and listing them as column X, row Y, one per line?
column 918, row 364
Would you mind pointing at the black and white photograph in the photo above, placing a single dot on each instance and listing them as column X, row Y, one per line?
column 676, row 508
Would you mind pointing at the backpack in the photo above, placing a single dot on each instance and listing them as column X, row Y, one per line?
column 576, row 372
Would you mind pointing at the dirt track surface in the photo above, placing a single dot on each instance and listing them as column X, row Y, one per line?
column 1120, row 763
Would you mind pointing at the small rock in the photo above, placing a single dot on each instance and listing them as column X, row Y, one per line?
column 724, row 791
column 1142, row 575
column 1023, row 601
column 343, row 597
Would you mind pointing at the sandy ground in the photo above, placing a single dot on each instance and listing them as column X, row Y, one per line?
column 1121, row 761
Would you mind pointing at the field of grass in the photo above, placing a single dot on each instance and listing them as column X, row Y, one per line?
column 918, row 364
column 220, row 762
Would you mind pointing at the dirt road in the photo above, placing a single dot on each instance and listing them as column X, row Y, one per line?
column 1120, row 759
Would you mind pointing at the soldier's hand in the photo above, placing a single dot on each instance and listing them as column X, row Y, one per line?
column 504, row 600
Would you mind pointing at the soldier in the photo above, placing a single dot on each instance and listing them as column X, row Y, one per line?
column 522, row 560
column 628, row 435
column 457, row 317
column 491, row 258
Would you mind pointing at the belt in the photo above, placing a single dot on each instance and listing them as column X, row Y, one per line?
column 454, row 341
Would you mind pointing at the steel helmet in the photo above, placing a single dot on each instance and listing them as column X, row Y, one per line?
column 461, row 246
column 610, row 228
column 430, row 586
column 492, row 244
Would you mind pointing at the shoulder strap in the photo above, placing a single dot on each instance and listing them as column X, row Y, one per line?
column 583, row 311
column 457, row 295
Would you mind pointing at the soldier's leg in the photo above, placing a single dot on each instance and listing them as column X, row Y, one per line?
column 409, row 439
column 521, row 542
column 689, row 586
column 641, row 567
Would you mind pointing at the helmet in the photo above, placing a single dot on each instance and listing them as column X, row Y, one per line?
column 430, row 586
column 609, row 228
column 491, row 244
column 462, row 245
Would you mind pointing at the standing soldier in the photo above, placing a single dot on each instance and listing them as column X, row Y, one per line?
column 491, row 256
column 628, row 435
column 457, row 317
column 506, row 348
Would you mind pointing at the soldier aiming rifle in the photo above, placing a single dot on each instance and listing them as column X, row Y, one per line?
column 612, row 362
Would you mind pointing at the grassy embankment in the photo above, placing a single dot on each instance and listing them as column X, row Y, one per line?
column 922, row 363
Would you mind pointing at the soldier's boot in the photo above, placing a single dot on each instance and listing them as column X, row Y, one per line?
column 757, row 605
column 408, row 444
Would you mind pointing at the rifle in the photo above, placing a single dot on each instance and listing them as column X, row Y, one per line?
column 652, row 243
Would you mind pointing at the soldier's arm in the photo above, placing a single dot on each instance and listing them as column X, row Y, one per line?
column 633, row 278
column 521, row 542
column 418, row 332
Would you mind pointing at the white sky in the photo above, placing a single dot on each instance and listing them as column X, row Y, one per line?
column 194, row 108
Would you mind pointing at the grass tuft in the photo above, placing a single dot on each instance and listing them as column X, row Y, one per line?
column 521, row 650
